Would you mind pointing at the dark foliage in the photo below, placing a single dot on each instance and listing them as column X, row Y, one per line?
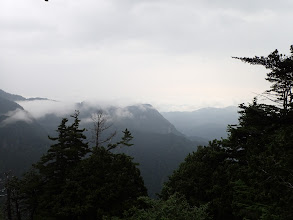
column 72, row 182
column 249, row 174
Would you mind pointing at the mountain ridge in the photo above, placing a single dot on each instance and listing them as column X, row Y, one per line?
column 208, row 123
column 14, row 97
column 22, row 139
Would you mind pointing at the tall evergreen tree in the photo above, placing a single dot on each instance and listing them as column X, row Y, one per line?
column 66, row 153
column 55, row 167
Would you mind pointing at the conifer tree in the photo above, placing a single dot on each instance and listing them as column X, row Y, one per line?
column 280, row 75
column 55, row 167
column 66, row 153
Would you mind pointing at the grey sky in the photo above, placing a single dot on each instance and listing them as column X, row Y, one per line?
column 173, row 54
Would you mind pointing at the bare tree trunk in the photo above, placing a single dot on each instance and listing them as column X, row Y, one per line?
column 100, row 125
column 18, row 214
column 8, row 198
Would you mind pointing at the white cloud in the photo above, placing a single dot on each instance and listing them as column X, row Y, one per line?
column 122, row 113
column 17, row 115
column 144, row 107
column 39, row 108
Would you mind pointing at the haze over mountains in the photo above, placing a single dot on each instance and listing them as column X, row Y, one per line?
column 22, row 139
column 207, row 123
column 158, row 146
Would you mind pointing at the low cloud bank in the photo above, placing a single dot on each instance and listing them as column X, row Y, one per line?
column 17, row 115
column 88, row 109
column 40, row 108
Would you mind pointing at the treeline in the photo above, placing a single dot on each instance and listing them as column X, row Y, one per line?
column 72, row 181
column 249, row 175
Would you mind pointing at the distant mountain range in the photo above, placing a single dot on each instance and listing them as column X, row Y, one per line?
column 159, row 147
column 206, row 123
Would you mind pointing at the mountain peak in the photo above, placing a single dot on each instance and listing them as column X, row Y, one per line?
column 15, row 98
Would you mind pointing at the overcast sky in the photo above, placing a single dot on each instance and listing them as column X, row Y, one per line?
column 173, row 54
